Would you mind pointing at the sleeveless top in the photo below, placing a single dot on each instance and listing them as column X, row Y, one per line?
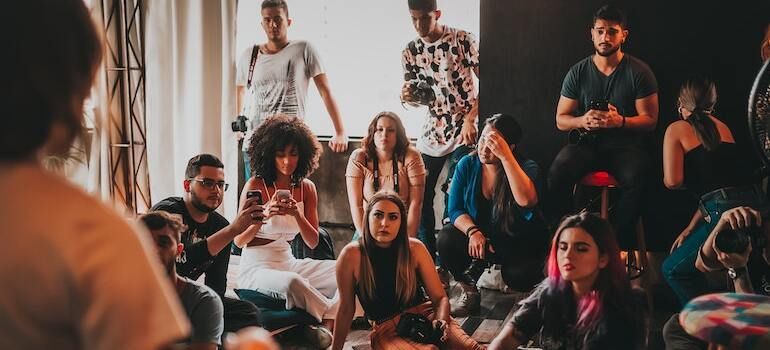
column 281, row 227
column 705, row 171
column 385, row 303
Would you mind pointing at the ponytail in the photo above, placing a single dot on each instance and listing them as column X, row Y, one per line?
column 699, row 96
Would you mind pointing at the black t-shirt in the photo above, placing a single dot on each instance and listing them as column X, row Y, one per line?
column 196, row 259
column 552, row 317
column 631, row 80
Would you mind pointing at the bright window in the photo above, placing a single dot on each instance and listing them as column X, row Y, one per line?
column 360, row 44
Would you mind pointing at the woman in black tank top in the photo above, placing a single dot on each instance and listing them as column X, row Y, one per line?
column 388, row 271
column 699, row 152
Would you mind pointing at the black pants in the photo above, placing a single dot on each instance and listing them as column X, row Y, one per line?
column 240, row 314
column 522, row 259
column 676, row 338
column 628, row 164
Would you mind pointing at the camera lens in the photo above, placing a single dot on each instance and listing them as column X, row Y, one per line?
column 732, row 241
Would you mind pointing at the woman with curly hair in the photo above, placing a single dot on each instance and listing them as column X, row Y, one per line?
column 283, row 153
column 586, row 301
column 386, row 161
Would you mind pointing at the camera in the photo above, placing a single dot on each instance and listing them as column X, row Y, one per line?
column 736, row 241
column 422, row 93
column 418, row 328
column 239, row 125
column 731, row 241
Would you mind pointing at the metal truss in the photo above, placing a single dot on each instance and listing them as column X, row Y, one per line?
column 124, row 66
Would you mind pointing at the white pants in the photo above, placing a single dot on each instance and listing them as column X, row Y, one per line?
column 307, row 284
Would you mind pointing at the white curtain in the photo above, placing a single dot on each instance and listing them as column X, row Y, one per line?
column 190, row 70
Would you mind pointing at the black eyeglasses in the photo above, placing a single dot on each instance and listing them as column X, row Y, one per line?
column 209, row 184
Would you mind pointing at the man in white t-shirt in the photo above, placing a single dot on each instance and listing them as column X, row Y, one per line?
column 278, row 81
column 439, row 66
column 73, row 273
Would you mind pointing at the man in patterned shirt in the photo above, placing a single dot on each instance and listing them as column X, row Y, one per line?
column 438, row 73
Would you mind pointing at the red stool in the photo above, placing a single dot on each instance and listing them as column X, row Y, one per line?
column 636, row 262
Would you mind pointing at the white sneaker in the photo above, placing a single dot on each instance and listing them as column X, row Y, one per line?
column 317, row 336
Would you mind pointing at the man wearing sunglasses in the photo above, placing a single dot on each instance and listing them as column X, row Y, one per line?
column 207, row 238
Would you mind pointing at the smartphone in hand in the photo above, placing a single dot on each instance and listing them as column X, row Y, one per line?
column 282, row 195
column 255, row 193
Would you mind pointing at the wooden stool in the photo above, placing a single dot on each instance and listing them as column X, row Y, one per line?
column 636, row 261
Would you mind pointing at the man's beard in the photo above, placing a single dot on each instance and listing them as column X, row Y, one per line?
column 198, row 204
column 608, row 53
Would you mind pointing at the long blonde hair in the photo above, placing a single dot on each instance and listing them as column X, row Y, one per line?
column 406, row 279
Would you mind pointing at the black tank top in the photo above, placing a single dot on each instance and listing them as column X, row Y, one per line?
column 385, row 304
column 705, row 171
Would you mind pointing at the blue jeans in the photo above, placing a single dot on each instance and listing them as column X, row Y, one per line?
column 433, row 165
column 679, row 268
column 246, row 165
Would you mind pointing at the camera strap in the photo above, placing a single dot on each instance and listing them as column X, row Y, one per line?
column 254, row 54
column 376, row 166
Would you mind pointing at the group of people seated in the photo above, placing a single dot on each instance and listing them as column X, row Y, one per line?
column 101, row 288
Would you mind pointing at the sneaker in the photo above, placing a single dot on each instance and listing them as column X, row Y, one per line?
column 317, row 336
column 468, row 303
column 444, row 276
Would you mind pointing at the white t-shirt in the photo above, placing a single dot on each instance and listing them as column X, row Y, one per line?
column 74, row 274
column 279, row 82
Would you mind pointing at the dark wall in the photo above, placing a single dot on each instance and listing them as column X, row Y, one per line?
column 528, row 46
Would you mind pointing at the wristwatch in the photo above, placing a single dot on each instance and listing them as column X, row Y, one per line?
column 735, row 272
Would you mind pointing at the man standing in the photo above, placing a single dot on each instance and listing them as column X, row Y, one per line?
column 610, row 101
column 207, row 239
column 273, row 78
column 201, row 303
column 438, row 72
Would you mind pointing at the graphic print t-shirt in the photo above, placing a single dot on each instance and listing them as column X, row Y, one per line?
column 279, row 82
column 446, row 66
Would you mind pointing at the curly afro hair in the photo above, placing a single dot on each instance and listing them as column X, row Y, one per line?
column 275, row 133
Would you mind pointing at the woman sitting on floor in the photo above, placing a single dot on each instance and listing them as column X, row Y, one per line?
column 283, row 153
column 586, row 301
column 494, row 217
column 388, row 271
column 386, row 161
column 699, row 152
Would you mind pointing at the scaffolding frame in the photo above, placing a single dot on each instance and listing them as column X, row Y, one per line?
column 124, row 65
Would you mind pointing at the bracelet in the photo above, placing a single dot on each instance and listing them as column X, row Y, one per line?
column 468, row 231
column 623, row 124
column 475, row 232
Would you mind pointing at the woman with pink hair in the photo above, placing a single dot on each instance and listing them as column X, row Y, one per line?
column 586, row 301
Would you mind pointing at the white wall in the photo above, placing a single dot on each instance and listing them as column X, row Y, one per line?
column 360, row 43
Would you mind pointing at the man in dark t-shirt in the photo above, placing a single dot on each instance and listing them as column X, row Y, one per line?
column 610, row 101
column 208, row 235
